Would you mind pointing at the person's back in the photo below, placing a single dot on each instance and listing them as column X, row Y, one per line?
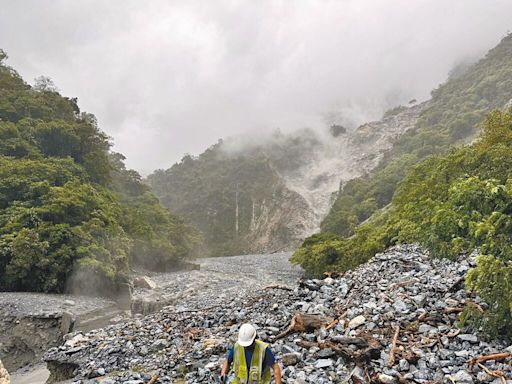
column 252, row 359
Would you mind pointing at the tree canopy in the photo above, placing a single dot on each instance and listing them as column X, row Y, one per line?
column 70, row 212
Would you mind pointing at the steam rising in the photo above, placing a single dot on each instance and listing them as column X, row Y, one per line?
column 169, row 77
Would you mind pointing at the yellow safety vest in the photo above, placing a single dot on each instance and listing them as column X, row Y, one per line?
column 254, row 374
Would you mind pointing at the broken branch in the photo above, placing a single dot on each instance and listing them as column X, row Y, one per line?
column 499, row 374
column 278, row 286
column 391, row 358
column 494, row 356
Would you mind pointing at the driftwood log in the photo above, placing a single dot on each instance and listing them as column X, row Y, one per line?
column 302, row 322
column 371, row 351
column 278, row 286
column 339, row 349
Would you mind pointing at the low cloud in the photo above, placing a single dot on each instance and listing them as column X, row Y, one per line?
column 166, row 78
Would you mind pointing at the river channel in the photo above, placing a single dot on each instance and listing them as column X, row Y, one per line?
column 218, row 281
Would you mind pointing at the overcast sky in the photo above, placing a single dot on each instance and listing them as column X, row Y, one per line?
column 167, row 77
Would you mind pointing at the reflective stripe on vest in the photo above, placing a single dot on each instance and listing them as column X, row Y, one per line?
column 254, row 374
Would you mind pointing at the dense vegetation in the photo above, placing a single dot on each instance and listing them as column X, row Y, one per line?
column 449, row 200
column 451, row 118
column 451, row 204
column 71, row 215
column 211, row 183
column 231, row 174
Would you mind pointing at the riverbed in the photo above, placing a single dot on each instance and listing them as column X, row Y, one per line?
column 218, row 281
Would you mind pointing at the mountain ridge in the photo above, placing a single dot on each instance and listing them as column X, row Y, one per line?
column 285, row 184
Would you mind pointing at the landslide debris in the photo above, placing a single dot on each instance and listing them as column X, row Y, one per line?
column 392, row 320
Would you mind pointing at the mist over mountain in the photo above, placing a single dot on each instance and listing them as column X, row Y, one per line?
column 265, row 193
column 336, row 173
column 172, row 77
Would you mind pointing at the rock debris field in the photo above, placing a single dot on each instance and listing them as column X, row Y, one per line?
column 392, row 320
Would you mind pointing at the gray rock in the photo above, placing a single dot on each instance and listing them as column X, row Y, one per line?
column 356, row 321
column 464, row 354
column 420, row 299
column 484, row 377
column 387, row 379
column 324, row 363
column 67, row 323
column 327, row 352
column 404, row 365
column 400, row 306
column 463, row 376
column 468, row 337
column 144, row 282
column 290, row 358
column 358, row 376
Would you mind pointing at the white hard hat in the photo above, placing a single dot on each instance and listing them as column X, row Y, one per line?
column 246, row 335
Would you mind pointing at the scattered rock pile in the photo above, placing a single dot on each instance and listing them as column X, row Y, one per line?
column 393, row 320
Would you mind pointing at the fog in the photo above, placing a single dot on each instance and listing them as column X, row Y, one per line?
column 166, row 78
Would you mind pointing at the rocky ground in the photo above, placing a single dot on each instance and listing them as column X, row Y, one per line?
column 30, row 323
column 220, row 280
column 393, row 320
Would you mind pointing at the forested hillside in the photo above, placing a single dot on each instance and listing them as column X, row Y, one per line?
column 451, row 118
column 238, row 200
column 71, row 216
column 269, row 193
column 451, row 203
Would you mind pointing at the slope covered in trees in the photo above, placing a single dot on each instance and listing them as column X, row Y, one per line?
column 450, row 201
column 71, row 215
column 238, row 200
column 451, row 118
column 451, row 204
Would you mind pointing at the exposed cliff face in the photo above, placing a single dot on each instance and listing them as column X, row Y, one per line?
column 268, row 196
column 279, row 223
column 345, row 157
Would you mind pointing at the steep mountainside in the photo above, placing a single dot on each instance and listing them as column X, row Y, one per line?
column 452, row 117
column 301, row 175
column 453, row 203
column 269, row 196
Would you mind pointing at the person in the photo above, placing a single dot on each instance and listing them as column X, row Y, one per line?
column 252, row 360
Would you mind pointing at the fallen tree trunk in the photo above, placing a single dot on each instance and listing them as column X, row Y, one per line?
column 358, row 356
column 357, row 341
column 278, row 286
column 302, row 322
column 342, row 351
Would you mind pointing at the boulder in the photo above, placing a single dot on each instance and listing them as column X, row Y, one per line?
column 67, row 323
column 144, row 282
column 290, row 358
column 356, row 321
column 387, row 379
